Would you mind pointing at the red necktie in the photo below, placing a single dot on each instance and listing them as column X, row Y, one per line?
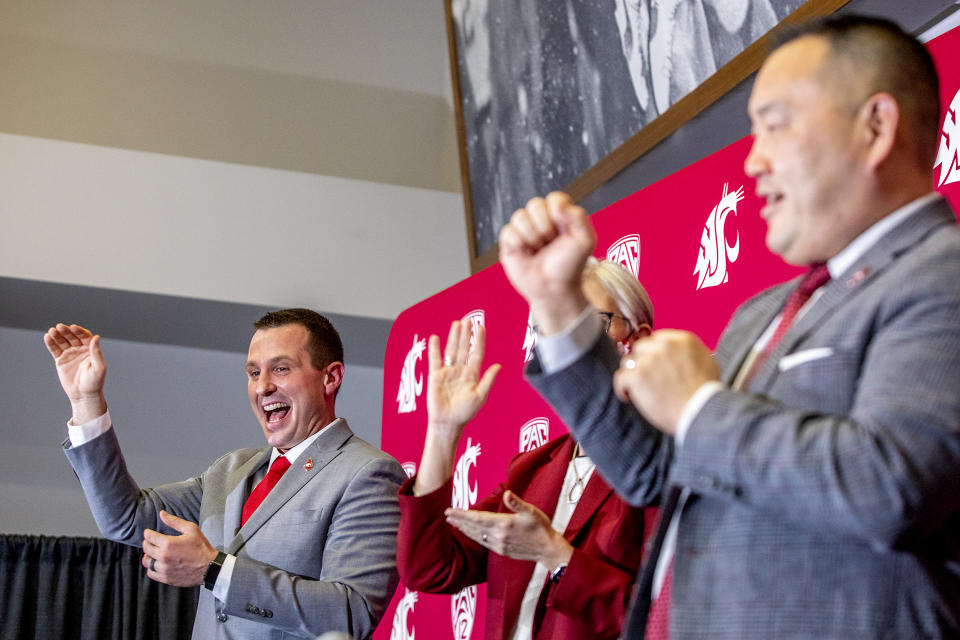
column 816, row 277
column 277, row 469
column 658, row 620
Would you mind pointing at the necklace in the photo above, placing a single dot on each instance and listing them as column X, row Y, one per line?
column 578, row 487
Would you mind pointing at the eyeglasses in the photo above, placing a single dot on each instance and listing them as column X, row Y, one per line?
column 606, row 319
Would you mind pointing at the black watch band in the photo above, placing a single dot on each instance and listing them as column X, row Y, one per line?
column 213, row 570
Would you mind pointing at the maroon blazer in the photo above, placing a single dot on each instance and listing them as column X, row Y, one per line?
column 590, row 599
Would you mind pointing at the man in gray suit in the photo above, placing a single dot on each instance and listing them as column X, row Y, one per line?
column 808, row 470
column 316, row 554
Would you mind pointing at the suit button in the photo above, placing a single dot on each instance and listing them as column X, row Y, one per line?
column 222, row 617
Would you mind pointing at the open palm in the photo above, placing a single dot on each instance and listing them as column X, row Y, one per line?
column 79, row 361
column 455, row 389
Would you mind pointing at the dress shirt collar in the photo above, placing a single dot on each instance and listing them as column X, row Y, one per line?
column 839, row 263
column 294, row 452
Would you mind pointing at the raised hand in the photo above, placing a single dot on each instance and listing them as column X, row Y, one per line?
column 543, row 250
column 178, row 560
column 80, row 367
column 525, row 534
column 662, row 372
column 455, row 392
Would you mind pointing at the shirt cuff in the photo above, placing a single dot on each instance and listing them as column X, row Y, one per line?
column 560, row 350
column 222, row 585
column 82, row 433
column 699, row 398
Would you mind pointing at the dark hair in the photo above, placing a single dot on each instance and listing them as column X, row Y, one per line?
column 889, row 60
column 324, row 343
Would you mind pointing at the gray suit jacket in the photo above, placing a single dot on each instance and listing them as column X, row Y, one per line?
column 826, row 501
column 319, row 554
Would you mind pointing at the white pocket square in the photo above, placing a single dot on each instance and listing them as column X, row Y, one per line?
column 791, row 360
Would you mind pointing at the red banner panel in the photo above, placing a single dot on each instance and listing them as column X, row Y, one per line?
column 695, row 240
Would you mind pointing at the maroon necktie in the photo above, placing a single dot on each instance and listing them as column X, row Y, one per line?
column 816, row 277
column 277, row 469
column 658, row 620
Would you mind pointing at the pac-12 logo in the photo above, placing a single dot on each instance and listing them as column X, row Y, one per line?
column 714, row 251
column 411, row 386
column 477, row 319
column 463, row 605
column 534, row 433
column 626, row 252
column 402, row 628
column 529, row 339
column 409, row 468
column 949, row 145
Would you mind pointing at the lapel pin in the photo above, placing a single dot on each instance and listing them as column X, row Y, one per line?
column 308, row 465
column 858, row 277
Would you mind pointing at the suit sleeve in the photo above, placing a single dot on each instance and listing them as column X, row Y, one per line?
column 359, row 565
column 121, row 509
column 631, row 455
column 864, row 443
column 432, row 556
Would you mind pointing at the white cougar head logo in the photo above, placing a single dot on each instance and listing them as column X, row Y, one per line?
column 534, row 433
column 949, row 145
column 477, row 319
column 529, row 339
column 463, row 606
column 410, row 385
column 714, row 251
column 626, row 253
column 401, row 629
column 465, row 493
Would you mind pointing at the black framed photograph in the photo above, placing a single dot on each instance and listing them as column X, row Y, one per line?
column 563, row 94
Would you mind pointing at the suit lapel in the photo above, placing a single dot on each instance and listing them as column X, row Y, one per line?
column 762, row 314
column 302, row 470
column 843, row 289
column 238, row 479
column 594, row 495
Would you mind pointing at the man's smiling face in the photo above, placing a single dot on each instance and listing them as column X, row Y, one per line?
column 291, row 399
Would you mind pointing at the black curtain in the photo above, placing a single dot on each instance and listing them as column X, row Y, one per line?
column 86, row 588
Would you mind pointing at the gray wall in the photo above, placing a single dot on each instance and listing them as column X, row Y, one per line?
column 176, row 410
column 177, row 405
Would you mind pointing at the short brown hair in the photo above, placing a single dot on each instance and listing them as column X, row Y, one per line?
column 324, row 342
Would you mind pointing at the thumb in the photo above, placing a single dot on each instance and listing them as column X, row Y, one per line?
column 571, row 219
column 175, row 523
column 514, row 503
column 96, row 354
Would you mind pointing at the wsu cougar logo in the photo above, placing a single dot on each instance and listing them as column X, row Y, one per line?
column 529, row 339
column 477, row 319
column 463, row 605
column 949, row 145
column 402, row 630
column 534, row 433
column 626, row 252
column 410, row 385
column 711, row 268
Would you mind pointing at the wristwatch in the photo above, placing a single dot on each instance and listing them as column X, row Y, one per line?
column 557, row 573
column 213, row 570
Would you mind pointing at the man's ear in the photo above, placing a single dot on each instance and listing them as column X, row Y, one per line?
column 879, row 119
column 333, row 377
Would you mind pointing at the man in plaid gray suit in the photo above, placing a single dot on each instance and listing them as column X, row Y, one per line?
column 808, row 470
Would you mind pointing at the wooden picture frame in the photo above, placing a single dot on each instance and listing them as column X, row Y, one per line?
column 551, row 58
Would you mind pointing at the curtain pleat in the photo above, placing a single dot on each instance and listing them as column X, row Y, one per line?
column 87, row 589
